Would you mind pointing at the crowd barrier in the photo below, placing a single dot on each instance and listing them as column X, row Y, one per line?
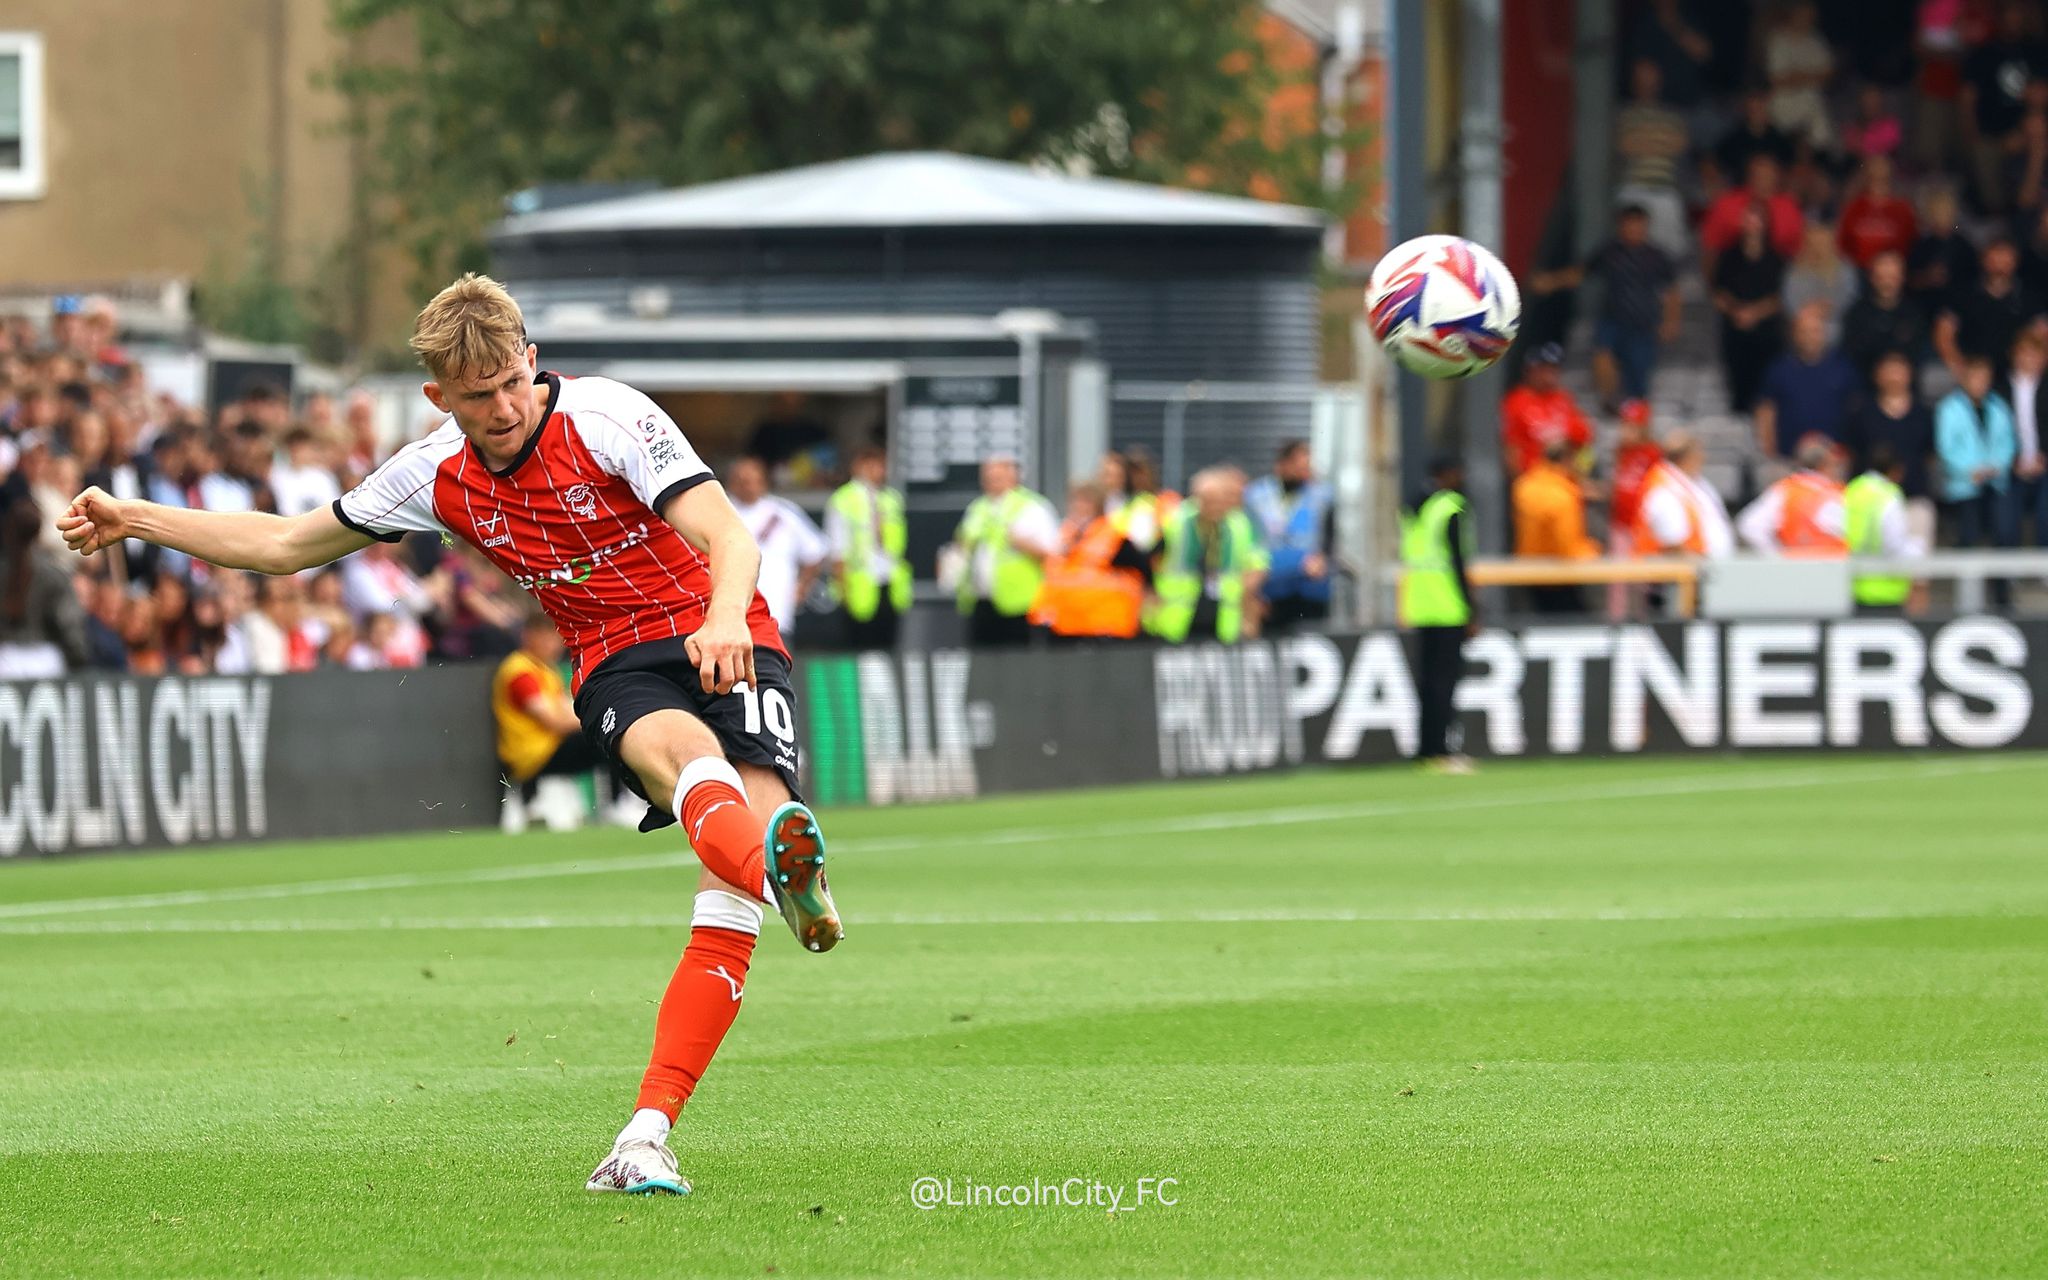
column 120, row 763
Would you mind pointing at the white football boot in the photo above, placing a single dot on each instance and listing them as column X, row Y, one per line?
column 639, row 1167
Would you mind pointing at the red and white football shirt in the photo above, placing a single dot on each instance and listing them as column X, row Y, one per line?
column 574, row 519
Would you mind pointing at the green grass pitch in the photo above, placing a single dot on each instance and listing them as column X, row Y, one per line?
column 1708, row 1017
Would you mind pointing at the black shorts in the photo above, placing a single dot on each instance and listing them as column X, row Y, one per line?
column 755, row 724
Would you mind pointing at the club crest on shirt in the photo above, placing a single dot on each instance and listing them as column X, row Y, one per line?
column 581, row 501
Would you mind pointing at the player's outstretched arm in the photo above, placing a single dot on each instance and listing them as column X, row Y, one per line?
column 724, row 648
column 254, row 540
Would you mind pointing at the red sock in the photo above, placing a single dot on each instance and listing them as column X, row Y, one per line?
column 701, row 1002
column 711, row 804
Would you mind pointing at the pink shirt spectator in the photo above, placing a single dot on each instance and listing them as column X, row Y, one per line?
column 1879, row 137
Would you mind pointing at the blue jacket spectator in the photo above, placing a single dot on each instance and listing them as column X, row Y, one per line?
column 1974, row 437
column 1291, row 510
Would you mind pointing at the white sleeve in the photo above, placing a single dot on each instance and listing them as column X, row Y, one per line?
column 398, row 497
column 811, row 546
column 1144, row 528
column 1833, row 518
column 1758, row 523
column 1895, row 533
column 1037, row 527
column 362, row 594
column 1664, row 512
column 633, row 439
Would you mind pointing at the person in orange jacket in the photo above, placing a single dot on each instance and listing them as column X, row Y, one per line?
column 1095, row 586
column 1803, row 513
column 1550, row 522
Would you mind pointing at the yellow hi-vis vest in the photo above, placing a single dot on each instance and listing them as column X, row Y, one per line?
column 1188, row 563
column 1431, row 595
column 1017, row 576
column 524, row 743
column 867, row 513
column 1864, row 503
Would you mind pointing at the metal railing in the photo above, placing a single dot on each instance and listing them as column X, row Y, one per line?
column 1968, row 570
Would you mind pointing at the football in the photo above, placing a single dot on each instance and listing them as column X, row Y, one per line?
column 1443, row 306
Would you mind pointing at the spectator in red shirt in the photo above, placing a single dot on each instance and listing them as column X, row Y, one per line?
column 1722, row 226
column 1635, row 454
column 1539, row 413
column 1877, row 219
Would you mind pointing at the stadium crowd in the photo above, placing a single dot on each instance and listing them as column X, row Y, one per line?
column 1867, row 216
column 1865, row 221
column 75, row 411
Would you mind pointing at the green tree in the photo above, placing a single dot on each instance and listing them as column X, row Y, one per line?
column 507, row 93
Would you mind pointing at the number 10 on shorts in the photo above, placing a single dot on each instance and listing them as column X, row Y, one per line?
column 768, row 704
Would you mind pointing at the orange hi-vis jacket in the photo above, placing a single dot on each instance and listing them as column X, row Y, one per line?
column 1550, row 514
column 1805, row 494
column 1663, row 476
column 524, row 743
column 1083, row 593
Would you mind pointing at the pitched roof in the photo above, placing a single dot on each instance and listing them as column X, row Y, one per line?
column 911, row 189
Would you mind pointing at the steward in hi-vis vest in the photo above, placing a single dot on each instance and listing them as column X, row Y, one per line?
column 1875, row 523
column 871, row 576
column 1004, row 538
column 1436, row 604
column 1211, row 565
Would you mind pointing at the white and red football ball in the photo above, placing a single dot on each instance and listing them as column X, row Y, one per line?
column 1443, row 307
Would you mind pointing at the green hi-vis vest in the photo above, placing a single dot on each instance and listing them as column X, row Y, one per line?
column 987, row 523
column 1431, row 595
column 868, row 511
column 1187, row 564
column 1864, row 503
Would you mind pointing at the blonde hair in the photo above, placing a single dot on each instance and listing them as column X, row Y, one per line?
column 472, row 328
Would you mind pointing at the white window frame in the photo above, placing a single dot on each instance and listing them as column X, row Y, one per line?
column 30, row 181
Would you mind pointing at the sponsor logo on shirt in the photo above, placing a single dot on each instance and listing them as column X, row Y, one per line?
column 579, row 570
column 494, row 532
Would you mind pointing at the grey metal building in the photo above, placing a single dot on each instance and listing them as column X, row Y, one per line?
column 1091, row 311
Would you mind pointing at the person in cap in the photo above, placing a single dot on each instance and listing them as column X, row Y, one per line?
column 1540, row 412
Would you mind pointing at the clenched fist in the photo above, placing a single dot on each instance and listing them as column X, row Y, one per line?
column 95, row 521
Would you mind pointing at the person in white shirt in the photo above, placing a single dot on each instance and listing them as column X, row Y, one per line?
column 303, row 482
column 1799, row 63
column 793, row 550
column 375, row 583
column 2022, row 389
column 1681, row 513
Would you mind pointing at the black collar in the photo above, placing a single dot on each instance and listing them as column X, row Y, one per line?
column 554, row 382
